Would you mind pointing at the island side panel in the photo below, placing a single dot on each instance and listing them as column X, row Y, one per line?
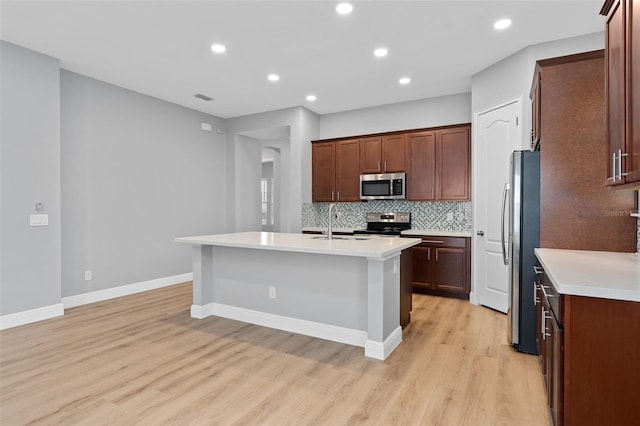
column 202, row 280
column 384, row 331
column 323, row 289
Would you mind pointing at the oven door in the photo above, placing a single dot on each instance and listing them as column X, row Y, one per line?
column 385, row 186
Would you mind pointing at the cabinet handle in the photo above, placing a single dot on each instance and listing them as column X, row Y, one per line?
column 436, row 255
column 613, row 167
column 378, row 166
column 535, row 294
column 429, row 255
column 385, row 166
column 538, row 270
column 620, row 155
column 543, row 326
column 331, row 195
column 338, row 196
column 433, row 241
column 545, row 329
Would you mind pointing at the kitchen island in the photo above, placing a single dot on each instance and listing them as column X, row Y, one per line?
column 345, row 290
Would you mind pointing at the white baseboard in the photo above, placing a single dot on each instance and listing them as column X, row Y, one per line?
column 32, row 315
column 472, row 298
column 124, row 290
column 377, row 350
column 308, row 328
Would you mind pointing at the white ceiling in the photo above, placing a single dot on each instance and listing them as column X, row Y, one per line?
column 162, row 48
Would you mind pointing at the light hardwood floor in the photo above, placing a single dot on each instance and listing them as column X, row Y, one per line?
column 143, row 360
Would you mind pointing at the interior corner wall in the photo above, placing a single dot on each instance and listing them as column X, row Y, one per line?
column 248, row 159
column 303, row 125
column 30, row 273
column 137, row 172
column 432, row 112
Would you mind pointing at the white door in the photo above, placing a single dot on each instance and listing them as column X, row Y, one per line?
column 496, row 136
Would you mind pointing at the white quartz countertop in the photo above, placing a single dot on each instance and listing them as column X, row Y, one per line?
column 324, row 229
column 436, row 233
column 371, row 247
column 600, row 274
column 409, row 232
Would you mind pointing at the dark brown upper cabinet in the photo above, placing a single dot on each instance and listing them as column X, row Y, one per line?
column 439, row 164
column 335, row 171
column 382, row 154
column 622, row 88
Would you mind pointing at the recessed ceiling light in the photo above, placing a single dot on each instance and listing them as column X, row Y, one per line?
column 218, row 48
column 380, row 52
column 344, row 8
column 502, row 24
column 404, row 80
column 273, row 77
column 311, row 98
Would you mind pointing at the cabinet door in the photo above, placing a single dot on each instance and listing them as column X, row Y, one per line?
column 450, row 270
column 540, row 339
column 556, row 370
column 547, row 347
column 633, row 91
column 421, row 162
column 422, row 266
column 393, row 153
column 323, row 159
column 536, row 93
column 615, row 90
column 453, row 151
column 348, row 170
column 371, row 155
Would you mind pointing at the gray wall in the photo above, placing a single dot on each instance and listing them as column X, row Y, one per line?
column 136, row 173
column 441, row 111
column 303, row 127
column 29, row 173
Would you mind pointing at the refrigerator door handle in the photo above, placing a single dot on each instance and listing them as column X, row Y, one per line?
column 505, row 192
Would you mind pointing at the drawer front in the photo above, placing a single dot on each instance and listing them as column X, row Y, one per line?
column 443, row 242
column 555, row 299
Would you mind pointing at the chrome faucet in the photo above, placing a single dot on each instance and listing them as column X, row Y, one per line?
column 330, row 231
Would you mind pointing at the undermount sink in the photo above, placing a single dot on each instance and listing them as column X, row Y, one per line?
column 341, row 237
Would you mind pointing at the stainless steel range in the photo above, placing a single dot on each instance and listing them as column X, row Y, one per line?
column 388, row 224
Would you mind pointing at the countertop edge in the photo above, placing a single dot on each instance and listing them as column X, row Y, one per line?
column 596, row 291
column 335, row 251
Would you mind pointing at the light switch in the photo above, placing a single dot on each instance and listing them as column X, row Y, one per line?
column 39, row 219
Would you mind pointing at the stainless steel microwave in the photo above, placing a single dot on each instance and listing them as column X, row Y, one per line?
column 384, row 186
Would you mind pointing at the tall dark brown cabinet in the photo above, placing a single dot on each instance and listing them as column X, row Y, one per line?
column 577, row 211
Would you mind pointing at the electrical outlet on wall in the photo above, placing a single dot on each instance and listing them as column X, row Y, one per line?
column 449, row 216
column 272, row 292
column 87, row 275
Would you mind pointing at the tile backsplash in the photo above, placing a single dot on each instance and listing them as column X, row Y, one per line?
column 424, row 215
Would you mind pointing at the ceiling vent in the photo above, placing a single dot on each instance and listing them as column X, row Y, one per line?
column 203, row 97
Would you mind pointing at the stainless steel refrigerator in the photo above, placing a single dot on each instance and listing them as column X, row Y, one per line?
column 524, row 235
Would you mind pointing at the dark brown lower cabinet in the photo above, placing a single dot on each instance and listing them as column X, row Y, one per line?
column 589, row 350
column 441, row 266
